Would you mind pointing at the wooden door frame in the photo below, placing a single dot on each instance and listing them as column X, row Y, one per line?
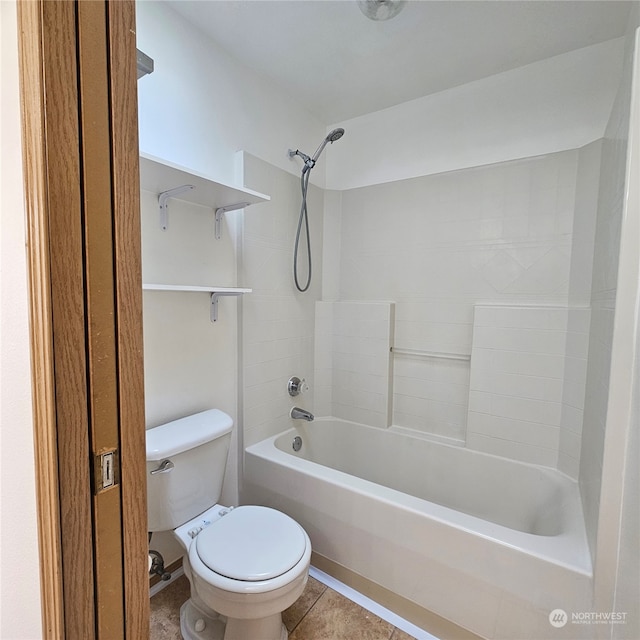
column 70, row 310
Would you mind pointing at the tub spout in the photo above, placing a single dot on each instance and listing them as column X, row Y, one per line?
column 301, row 414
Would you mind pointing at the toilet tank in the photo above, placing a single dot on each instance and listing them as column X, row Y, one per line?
column 186, row 460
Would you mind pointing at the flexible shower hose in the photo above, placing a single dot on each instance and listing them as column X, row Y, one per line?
column 304, row 184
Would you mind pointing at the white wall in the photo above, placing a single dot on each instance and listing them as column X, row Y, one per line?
column 278, row 321
column 20, row 617
column 353, row 361
column 627, row 580
column 516, row 381
column 439, row 245
column 197, row 109
column 579, row 312
column 603, row 296
column 190, row 363
column 552, row 105
column 199, row 106
column 617, row 584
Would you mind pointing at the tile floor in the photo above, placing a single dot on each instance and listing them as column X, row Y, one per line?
column 319, row 614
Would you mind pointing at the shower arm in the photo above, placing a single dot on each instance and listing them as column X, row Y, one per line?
column 309, row 163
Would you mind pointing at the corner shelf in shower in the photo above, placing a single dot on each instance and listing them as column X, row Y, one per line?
column 169, row 180
column 215, row 292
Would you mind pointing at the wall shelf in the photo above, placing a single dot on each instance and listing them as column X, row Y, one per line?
column 169, row 181
column 215, row 292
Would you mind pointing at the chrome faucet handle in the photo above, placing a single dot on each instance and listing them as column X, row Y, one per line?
column 296, row 386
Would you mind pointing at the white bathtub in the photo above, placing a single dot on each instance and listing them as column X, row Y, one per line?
column 487, row 543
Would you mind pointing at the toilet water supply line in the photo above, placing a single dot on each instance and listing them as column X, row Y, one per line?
column 309, row 163
column 156, row 562
column 156, row 565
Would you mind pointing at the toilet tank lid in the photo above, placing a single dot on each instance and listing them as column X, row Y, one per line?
column 174, row 437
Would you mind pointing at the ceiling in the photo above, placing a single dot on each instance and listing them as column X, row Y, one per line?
column 338, row 64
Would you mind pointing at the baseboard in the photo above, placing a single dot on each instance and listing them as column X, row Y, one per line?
column 174, row 567
column 423, row 618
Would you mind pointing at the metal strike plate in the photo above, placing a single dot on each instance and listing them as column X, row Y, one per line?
column 106, row 470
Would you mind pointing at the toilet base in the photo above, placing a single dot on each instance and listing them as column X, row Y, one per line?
column 270, row 628
column 192, row 619
column 196, row 625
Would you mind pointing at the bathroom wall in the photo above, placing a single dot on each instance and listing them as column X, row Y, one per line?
column 517, row 233
column 197, row 109
column 579, row 311
column 603, row 295
column 438, row 246
column 617, row 583
column 573, row 389
column 353, row 361
column 553, row 105
column 550, row 105
column 515, row 389
column 627, row 592
column 20, row 614
column 277, row 320
column 200, row 106
column 190, row 363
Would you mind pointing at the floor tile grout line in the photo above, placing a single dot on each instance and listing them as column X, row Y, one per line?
column 331, row 584
column 308, row 611
column 370, row 605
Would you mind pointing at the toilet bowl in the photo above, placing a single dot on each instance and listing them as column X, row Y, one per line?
column 248, row 566
column 245, row 565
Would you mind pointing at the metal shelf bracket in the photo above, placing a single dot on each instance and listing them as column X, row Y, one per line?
column 221, row 210
column 214, row 302
column 162, row 201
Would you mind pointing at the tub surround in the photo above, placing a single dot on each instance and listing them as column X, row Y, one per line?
column 509, row 394
column 509, row 240
column 353, row 361
column 517, row 379
column 517, row 234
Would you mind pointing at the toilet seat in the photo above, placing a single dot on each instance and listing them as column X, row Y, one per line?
column 251, row 544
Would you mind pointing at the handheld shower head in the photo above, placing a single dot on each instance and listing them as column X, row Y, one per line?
column 334, row 135
column 309, row 163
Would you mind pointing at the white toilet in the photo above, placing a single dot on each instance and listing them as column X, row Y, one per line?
column 245, row 565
